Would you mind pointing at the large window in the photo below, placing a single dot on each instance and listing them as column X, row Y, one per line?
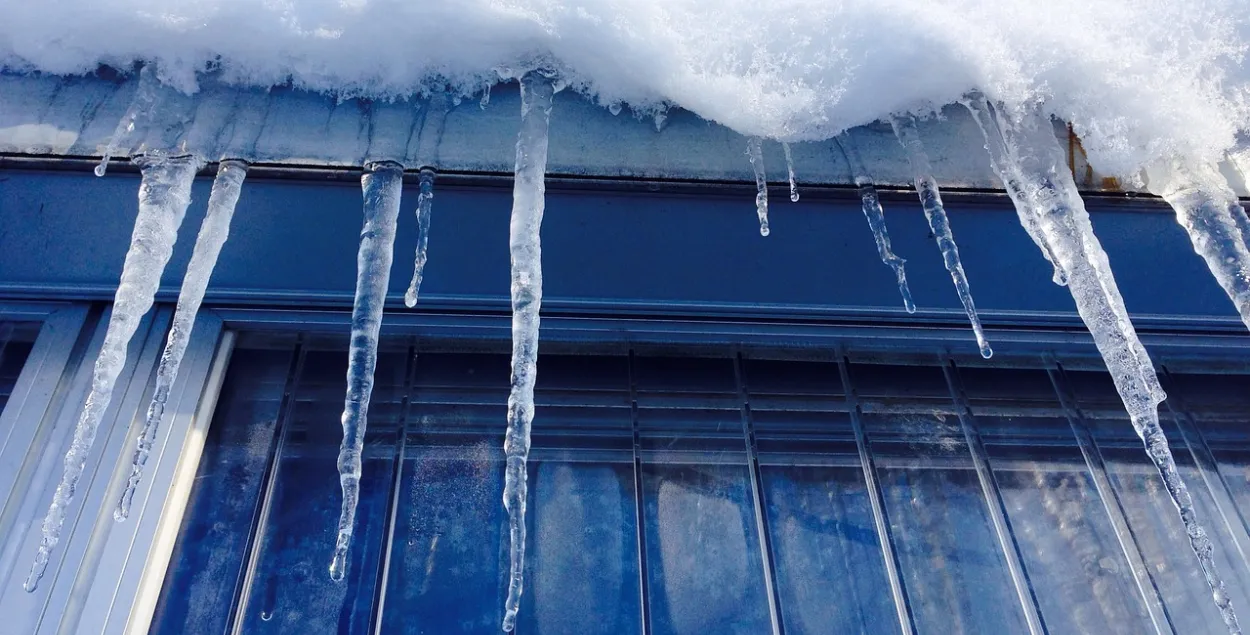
column 684, row 492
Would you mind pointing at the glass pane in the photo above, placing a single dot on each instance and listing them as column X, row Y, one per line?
column 206, row 567
column 16, row 341
column 953, row 568
column 292, row 590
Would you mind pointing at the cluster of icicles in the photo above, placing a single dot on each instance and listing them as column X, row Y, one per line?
column 1022, row 150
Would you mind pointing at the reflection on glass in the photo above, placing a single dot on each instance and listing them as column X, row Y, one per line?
column 704, row 566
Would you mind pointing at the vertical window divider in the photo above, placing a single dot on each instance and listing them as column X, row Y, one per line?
column 994, row 500
column 1204, row 458
column 639, row 511
column 397, row 481
column 1110, row 500
column 247, row 578
column 876, row 498
column 757, row 496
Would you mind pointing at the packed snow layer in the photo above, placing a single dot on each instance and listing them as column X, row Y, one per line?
column 1138, row 79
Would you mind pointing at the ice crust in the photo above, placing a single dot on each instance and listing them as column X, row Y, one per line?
column 1138, row 80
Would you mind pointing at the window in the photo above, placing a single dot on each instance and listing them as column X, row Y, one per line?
column 676, row 492
column 16, row 341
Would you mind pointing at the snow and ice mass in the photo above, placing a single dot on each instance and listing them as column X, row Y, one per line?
column 1157, row 90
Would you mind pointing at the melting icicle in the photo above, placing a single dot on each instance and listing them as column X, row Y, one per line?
column 1209, row 211
column 425, row 203
column 979, row 109
column 1046, row 191
column 931, row 200
column 382, row 183
column 528, row 200
column 615, row 108
column 213, row 234
column 794, row 186
column 141, row 105
column 164, row 194
column 485, row 97
column 876, row 216
column 755, row 152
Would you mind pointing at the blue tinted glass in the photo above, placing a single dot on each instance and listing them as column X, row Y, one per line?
column 16, row 341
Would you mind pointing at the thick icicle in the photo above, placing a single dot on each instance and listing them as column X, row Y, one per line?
column 164, row 194
column 382, row 183
column 979, row 109
column 931, row 200
column 876, row 216
column 213, row 234
column 425, row 204
column 794, row 185
column 141, row 105
column 756, row 154
column 1034, row 160
column 1209, row 211
column 528, row 200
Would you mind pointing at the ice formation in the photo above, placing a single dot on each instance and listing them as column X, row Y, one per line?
column 876, row 217
column 164, row 194
column 425, row 204
column 213, row 234
column 939, row 224
column 756, row 154
column 1046, row 191
column 794, row 186
column 528, row 199
column 382, row 184
column 141, row 107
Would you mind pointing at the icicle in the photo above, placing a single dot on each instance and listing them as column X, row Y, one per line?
column 164, row 194
column 425, row 203
column 755, row 152
column 794, row 186
column 1240, row 158
column 485, row 97
column 931, row 200
column 614, row 108
column 979, row 109
column 141, row 105
column 876, row 216
column 1209, row 211
column 213, row 233
column 1034, row 160
column 382, row 183
column 528, row 200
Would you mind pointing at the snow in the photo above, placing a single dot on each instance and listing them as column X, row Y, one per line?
column 528, row 201
column 1139, row 81
column 381, row 184
column 164, row 194
column 212, row 237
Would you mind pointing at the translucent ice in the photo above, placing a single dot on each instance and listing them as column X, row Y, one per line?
column 876, row 217
column 756, row 154
column 425, row 204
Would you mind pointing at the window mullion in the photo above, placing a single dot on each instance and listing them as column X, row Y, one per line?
column 639, row 509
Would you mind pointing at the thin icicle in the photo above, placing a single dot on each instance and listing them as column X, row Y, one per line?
column 931, row 200
column 756, row 154
column 485, row 97
column 794, row 186
column 528, row 200
column 876, row 216
column 382, row 183
column 141, row 105
column 1047, row 191
column 979, row 109
column 213, row 234
column 1240, row 158
column 1209, row 211
column 164, row 194
column 425, row 204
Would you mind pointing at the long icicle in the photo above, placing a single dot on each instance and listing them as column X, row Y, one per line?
column 382, row 184
column 164, row 194
column 1209, row 211
column 979, row 109
column 876, row 216
column 756, row 153
column 425, row 205
column 794, row 184
column 1048, row 193
column 141, row 105
column 931, row 200
column 213, row 234
column 528, row 201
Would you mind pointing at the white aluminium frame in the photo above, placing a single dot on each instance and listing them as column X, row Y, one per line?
column 104, row 576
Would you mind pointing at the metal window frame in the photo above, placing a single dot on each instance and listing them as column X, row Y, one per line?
column 104, row 576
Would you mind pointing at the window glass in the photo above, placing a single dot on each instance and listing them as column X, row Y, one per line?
column 16, row 341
